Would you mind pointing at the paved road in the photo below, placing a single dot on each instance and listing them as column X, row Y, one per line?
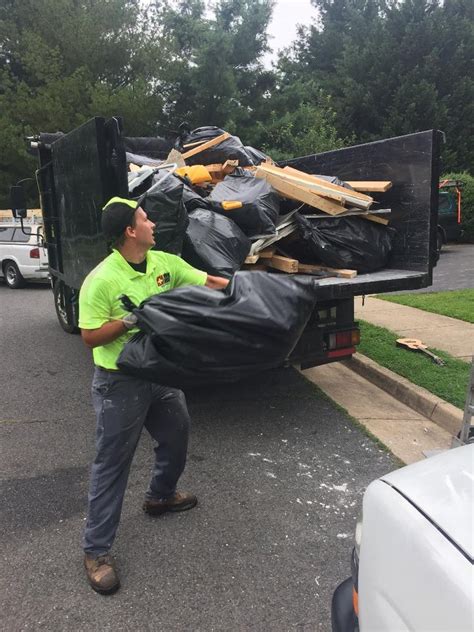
column 279, row 471
column 455, row 269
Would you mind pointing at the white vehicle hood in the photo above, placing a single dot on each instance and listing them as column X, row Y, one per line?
column 442, row 487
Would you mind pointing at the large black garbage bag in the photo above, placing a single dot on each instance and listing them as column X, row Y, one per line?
column 346, row 242
column 163, row 204
column 261, row 203
column 256, row 155
column 194, row 335
column 214, row 243
column 230, row 149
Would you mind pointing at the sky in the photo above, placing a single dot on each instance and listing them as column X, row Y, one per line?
column 286, row 15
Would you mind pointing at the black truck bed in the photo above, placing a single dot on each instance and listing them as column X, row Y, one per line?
column 81, row 170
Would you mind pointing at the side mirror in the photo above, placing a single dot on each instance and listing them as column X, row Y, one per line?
column 18, row 201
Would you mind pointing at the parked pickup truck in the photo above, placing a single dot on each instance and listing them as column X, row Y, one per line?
column 23, row 256
column 81, row 170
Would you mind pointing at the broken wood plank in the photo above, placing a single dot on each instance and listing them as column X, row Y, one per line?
column 308, row 177
column 251, row 259
column 375, row 218
column 285, row 264
column 312, row 186
column 297, row 192
column 267, row 253
column 210, row 143
column 307, row 268
column 195, row 143
column 379, row 186
column 229, row 166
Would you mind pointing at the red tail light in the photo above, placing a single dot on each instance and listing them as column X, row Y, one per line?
column 34, row 253
column 343, row 339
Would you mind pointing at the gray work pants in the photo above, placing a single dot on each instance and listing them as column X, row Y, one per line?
column 123, row 405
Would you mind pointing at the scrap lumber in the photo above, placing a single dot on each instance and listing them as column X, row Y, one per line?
column 285, row 264
column 175, row 157
column 264, row 242
column 375, row 218
column 344, row 191
column 210, row 143
column 372, row 186
column 267, row 253
column 251, row 259
column 300, row 193
column 229, row 166
column 195, row 143
column 303, row 182
column 305, row 268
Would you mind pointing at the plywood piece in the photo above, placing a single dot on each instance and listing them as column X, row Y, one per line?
column 284, row 264
column 372, row 186
column 210, row 143
column 325, row 183
column 297, row 192
column 339, row 272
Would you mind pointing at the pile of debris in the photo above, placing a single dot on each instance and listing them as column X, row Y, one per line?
column 224, row 206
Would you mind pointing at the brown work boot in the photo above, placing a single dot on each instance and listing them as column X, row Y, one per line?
column 180, row 501
column 101, row 574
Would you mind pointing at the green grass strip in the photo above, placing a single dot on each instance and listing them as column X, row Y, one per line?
column 448, row 382
column 454, row 303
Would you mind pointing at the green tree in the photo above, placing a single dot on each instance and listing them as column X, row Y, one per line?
column 393, row 67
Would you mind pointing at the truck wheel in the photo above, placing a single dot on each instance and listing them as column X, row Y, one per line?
column 13, row 277
column 63, row 307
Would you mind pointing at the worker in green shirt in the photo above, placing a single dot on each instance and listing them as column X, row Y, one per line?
column 124, row 404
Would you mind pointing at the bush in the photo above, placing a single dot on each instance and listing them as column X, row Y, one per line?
column 467, row 203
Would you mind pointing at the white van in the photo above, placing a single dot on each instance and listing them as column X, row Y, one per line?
column 23, row 256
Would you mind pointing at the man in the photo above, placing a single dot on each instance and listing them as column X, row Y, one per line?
column 124, row 404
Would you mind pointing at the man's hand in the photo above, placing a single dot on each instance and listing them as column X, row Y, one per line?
column 130, row 320
column 216, row 283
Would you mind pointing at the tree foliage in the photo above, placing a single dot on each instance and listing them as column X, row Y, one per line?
column 366, row 69
column 393, row 68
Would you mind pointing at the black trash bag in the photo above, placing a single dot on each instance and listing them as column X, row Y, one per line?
column 191, row 198
column 194, row 335
column 256, row 155
column 151, row 147
column 214, row 243
column 230, row 149
column 346, row 242
column 261, row 203
column 163, row 204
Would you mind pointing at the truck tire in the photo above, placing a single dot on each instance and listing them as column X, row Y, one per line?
column 13, row 277
column 63, row 306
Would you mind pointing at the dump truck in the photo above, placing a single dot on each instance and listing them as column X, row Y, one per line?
column 79, row 171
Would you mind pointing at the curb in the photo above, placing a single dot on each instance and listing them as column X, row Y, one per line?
column 418, row 398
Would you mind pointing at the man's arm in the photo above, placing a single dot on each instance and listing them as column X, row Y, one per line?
column 216, row 283
column 103, row 335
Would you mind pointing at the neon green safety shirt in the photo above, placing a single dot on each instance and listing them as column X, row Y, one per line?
column 99, row 300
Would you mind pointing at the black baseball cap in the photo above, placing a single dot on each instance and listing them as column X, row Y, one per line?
column 117, row 214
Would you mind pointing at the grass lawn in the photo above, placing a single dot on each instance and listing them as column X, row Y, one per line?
column 448, row 382
column 455, row 303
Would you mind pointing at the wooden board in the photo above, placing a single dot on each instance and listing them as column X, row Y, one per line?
column 297, row 192
column 285, row 264
column 379, row 186
column 325, row 183
column 375, row 218
column 312, row 186
column 323, row 187
column 267, row 253
column 251, row 259
column 210, row 143
column 306, row 268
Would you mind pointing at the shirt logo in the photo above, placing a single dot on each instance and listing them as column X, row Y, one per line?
column 162, row 279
